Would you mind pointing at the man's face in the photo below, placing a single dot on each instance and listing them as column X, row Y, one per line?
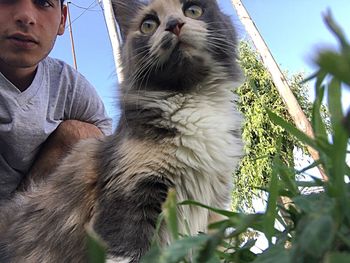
column 28, row 30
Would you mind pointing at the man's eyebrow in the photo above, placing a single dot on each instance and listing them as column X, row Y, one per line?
column 57, row 2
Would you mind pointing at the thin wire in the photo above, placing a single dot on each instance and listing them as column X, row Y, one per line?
column 86, row 9
column 101, row 5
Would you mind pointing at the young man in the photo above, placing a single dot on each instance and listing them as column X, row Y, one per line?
column 45, row 105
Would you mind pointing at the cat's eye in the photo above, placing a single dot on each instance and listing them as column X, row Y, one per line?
column 194, row 11
column 149, row 26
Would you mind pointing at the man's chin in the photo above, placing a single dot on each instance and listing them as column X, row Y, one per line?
column 19, row 62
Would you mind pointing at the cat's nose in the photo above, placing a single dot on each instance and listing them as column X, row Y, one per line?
column 174, row 26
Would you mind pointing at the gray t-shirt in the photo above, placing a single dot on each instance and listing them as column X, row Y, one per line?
column 27, row 118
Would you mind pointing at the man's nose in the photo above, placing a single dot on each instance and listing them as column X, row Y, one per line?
column 25, row 13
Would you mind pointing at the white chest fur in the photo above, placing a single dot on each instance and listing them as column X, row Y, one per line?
column 207, row 149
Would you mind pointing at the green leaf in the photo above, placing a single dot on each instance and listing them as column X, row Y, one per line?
column 170, row 215
column 340, row 141
column 336, row 30
column 318, row 124
column 302, row 137
column 271, row 211
column 218, row 211
column 96, row 248
column 337, row 257
column 180, row 249
column 287, row 176
column 206, row 253
column 334, row 102
column 152, row 256
column 318, row 203
column 336, row 64
column 239, row 221
column 160, row 220
column 316, row 235
column 309, row 167
column 347, row 170
column 240, row 255
column 311, row 77
column 275, row 254
column 343, row 235
column 253, row 221
column 220, row 224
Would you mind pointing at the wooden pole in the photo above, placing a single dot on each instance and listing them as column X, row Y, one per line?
column 278, row 78
column 113, row 35
column 71, row 37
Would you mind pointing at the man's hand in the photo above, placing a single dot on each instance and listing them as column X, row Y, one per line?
column 57, row 146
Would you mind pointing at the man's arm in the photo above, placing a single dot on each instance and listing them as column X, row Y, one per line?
column 57, row 146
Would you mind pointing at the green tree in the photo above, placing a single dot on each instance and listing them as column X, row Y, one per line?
column 260, row 135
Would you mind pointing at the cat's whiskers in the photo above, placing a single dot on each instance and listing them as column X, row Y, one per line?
column 218, row 31
column 145, row 66
column 220, row 34
column 139, row 55
column 221, row 37
column 144, row 49
column 159, row 65
column 220, row 43
column 153, row 65
column 143, row 63
column 216, row 23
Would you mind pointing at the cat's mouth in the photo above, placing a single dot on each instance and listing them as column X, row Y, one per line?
column 181, row 49
column 184, row 45
column 182, row 42
column 181, row 46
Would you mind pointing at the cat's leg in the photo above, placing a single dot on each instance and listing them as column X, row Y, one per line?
column 126, row 220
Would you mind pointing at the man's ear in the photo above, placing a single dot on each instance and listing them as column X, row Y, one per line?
column 62, row 25
column 124, row 12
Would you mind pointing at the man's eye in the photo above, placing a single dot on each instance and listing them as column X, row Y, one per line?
column 44, row 3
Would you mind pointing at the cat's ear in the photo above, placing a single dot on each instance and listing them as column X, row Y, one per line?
column 124, row 12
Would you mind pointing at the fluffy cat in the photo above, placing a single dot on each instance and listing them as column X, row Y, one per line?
column 179, row 129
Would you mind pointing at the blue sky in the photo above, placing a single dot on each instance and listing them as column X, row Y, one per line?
column 293, row 30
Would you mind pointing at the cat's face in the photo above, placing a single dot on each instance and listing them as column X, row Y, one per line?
column 173, row 44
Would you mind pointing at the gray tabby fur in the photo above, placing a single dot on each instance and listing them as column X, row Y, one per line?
column 179, row 129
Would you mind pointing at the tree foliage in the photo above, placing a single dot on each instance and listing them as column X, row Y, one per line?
column 260, row 135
